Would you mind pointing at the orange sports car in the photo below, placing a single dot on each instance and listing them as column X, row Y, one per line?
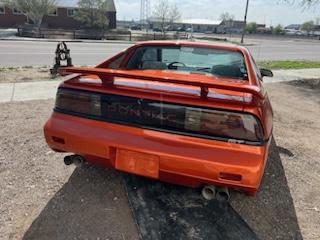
column 187, row 113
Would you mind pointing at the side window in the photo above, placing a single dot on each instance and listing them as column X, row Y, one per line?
column 117, row 62
column 170, row 55
column 256, row 68
column 135, row 60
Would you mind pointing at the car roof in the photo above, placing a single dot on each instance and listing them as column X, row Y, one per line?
column 226, row 46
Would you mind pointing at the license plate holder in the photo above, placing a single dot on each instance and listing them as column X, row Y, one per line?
column 137, row 163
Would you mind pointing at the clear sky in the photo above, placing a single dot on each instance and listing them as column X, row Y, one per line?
column 261, row 11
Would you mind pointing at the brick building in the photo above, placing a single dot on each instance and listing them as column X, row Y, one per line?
column 61, row 18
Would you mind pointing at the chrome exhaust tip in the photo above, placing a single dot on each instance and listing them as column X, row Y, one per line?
column 208, row 192
column 78, row 161
column 222, row 194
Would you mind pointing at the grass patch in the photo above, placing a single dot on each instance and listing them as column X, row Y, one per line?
column 289, row 64
column 27, row 67
column 5, row 69
column 19, row 68
column 12, row 68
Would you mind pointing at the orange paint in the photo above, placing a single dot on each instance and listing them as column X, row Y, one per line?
column 171, row 157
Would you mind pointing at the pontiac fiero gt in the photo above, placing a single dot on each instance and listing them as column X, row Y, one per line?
column 187, row 113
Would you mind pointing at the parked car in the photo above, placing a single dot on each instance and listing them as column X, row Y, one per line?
column 293, row 32
column 157, row 29
column 187, row 113
column 135, row 27
column 221, row 31
column 181, row 29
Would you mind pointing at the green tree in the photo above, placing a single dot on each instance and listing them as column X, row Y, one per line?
column 33, row 9
column 278, row 29
column 308, row 26
column 93, row 14
column 251, row 28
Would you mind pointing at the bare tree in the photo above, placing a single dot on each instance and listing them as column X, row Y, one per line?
column 165, row 14
column 304, row 3
column 161, row 13
column 33, row 9
column 174, row 14
column 227, row 20
column 226, row 17
column 310, row 2
column 93, row 14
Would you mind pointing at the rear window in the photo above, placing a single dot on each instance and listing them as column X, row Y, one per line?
column 217, row 62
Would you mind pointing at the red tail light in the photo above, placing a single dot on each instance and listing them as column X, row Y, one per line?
column 235, row 127
column 79, row 102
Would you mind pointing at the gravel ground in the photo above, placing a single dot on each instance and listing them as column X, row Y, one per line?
column 25, row 74
column 42, row 199
column 288, row 203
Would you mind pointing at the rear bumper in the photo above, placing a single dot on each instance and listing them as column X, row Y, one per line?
column 182, row 160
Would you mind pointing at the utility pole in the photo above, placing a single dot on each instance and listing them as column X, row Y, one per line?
column 245, row 21
column 144, row 12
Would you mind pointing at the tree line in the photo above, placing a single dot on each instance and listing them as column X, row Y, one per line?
column 91, row 13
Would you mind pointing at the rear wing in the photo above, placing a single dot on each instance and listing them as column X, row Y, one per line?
column 107, row 76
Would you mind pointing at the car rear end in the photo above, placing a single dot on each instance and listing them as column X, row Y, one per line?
column 182, row 140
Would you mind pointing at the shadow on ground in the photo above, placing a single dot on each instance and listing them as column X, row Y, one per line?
column 93, row 205
column 271, row 214
column 165, row 211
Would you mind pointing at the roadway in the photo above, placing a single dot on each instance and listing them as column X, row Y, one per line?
column 24, row 53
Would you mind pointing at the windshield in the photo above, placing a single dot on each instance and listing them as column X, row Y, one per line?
column 218, row 62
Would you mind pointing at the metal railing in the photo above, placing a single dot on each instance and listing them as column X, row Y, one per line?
column 96, row 35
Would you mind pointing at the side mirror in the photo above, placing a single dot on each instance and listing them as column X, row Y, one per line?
column 266, row 72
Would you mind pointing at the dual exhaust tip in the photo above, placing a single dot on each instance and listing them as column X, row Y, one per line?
column 211, row 192
column 77, row 160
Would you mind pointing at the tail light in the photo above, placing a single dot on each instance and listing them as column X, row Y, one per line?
column 235, row 127
column 78, row 102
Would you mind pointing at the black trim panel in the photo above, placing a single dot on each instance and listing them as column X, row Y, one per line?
column 173, row 131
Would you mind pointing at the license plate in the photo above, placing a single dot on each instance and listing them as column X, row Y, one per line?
column 137, row 163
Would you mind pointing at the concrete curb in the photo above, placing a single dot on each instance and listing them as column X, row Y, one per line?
column 294, row 75
column 60, row 40
column 26, row 91
column 41, row 90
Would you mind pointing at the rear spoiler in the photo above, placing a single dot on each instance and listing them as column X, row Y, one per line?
column 107, row 76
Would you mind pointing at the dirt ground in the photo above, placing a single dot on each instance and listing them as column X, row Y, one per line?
column 36, row 187
column 25, row 74
column 288, row 203
column 40, row 198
